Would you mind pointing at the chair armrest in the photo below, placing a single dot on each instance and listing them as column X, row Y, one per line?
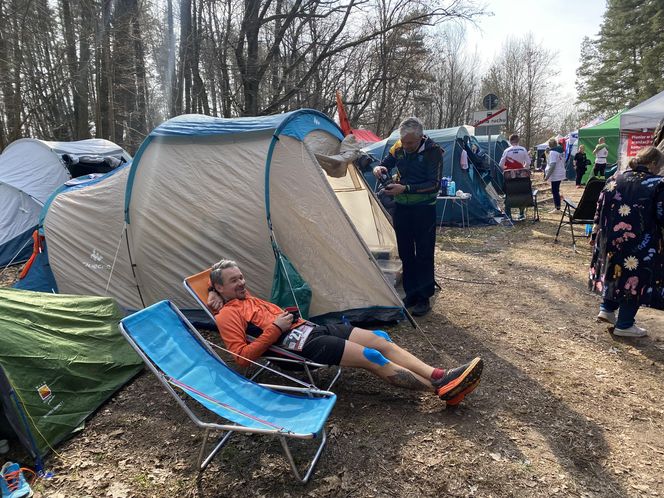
column 571, row 204
column 281, row 359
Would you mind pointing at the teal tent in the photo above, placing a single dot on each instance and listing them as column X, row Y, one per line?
column 61, row 357
column 494, row 146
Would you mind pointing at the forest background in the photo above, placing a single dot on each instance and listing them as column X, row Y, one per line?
column 115, row 69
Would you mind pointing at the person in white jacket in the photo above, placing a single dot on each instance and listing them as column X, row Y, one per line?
column 514, row 157
column 555, row 171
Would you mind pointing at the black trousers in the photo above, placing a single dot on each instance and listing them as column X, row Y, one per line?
column 579, row 174
column 599, row 169
column 415, row 228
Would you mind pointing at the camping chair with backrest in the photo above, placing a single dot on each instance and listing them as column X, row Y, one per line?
column 582, row 213
column 519, row 191
column 188, row 368
column 198, row 286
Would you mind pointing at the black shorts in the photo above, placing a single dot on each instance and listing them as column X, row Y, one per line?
column 326, row 343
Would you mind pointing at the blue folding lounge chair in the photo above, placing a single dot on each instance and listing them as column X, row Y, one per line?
column 182, row 360
column 197, row 285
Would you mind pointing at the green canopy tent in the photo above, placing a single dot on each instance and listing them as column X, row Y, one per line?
column 610, row 130
column 61, row 357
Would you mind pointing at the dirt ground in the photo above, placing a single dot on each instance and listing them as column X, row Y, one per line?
column 564, row 408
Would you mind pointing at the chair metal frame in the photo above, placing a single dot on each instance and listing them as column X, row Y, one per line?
column 571, row 209
column 278, row 355
column 229, row 429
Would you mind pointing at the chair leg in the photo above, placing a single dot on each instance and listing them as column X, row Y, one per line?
column 561, row 223
column 314, row 460
column 571, row 226
column 336, row 377
column 203, row 463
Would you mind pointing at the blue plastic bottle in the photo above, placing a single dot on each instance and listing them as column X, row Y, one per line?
column 451, row 188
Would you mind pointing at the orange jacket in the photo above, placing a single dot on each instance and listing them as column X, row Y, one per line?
column 233, row 319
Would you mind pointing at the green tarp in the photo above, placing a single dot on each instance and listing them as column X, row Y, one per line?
column 61, row 357
column 610, row 130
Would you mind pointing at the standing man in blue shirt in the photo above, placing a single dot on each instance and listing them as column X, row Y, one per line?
column 417, row 162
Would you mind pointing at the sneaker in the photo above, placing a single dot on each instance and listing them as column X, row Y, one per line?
column 456, row 400
column 554, row 210
column 633, row 331
column 458, row 382
column 13, row 483
column 607, row 317
column 421, row 308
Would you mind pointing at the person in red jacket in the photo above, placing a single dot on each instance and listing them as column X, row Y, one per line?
column 238, row 314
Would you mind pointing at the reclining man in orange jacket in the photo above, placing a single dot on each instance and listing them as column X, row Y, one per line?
column 238, row 313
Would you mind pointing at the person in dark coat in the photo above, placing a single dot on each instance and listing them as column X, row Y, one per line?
column 627, row 267
column 418, row 162
column 581, row 163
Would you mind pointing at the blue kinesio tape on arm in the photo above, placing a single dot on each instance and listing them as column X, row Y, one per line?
column 383, row 334
column 375, row 356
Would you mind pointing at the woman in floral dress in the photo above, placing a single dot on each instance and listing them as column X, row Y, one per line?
column 627, row 267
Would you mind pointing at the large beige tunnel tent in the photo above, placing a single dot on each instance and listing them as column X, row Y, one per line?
column 203, row 188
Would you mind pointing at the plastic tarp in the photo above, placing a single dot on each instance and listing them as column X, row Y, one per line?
column 61, row 357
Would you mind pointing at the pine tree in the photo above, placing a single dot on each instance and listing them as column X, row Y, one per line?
column 623, row 66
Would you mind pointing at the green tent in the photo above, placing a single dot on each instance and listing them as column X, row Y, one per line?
column 61, row 357
column 610, row 130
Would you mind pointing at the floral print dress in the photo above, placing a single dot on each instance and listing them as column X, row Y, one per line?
column 628, row 257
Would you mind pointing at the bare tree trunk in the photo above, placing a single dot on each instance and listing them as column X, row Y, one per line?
column 4, row 71
column 81, row 82
column 105, row 115
column 11, row 78
column 200, row 99
column 138, row 124
column 171, row 69
column 248, row 63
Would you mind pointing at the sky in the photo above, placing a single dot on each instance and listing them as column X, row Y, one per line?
column 559, row 25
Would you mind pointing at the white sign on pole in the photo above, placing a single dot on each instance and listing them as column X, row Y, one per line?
column 490, row 118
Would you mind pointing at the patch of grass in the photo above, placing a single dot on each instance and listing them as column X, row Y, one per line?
column 142, row 480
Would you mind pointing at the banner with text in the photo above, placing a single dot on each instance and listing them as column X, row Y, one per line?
column 637, row 140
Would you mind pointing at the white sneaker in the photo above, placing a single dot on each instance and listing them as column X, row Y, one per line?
column 554, row 210
column 607, row 316
column 633, row 331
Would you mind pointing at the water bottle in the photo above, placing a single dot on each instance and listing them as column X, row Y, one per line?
column 589, row 229
column 451, row 188
column 443, row 186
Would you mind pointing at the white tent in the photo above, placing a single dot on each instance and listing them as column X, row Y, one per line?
column 644, row 116
column 30, row 171
column 203, row 188
column 637, row 126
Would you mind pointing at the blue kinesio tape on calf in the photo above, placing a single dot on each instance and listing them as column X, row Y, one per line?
column 383, row 334
column 375, row 356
